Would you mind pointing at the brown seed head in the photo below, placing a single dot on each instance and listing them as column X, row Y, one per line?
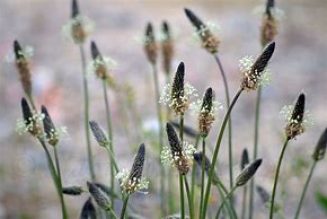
column 320, row 150
column 167, row 47
column 206, row 116
column 98, row 62
column 295, row 124
column 248, row 172
column 29, row 119
column 23, row 68
column 150, row 45
column 49, row 128
column 269, row 24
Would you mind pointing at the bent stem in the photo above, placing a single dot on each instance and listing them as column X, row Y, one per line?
column 227, row 97
column 255, row 148
column 189, row 198
column 202, row 173
column 160, row 121
column 110, row 134
column 86, row 114
column 122, row 215
column 271, row 214
column 215, row 154
column 227, row 197
column 305, row 190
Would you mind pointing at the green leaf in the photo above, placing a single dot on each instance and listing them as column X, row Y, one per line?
column 322, row 201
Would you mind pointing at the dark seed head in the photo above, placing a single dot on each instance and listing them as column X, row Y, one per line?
column 72, row 190
column 18, row 50
column 99, row 135
column 269, row 5
column 94, row 51
column 264, row 195
column 88, row 210
column 262, row 61
column 26, row 110
column 195, row 20
column 49, row 127
column 248, row 172
column 109, row 191
column 298, row 111
column 245, row 158
column 75, row 9
column 174, row 143
column 178, row 83
column 99, row 196
column 320, row 150
column 207, row 100
column 187, row 129
column 166, row 29
column 149, row 33
column 137, row 168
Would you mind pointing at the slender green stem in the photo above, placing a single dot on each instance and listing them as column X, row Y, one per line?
column 255, row 148
column 112, row 159
column 271, row 214
column 305, row 188
column 122, row 215
column 227, row 197
column 55, row 177
column 215, row 153
column 189, row 198
column 202, row 173
column 160, row 121
column 227, row 97
column 181, row 191
column 193, row 170
column 86, row 114
column 110, row 134
column 245, row 189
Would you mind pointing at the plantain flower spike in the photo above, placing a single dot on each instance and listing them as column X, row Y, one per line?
column 295, row 124
column 320, row 150
column 51, row 133
column 100, row 197
column 269, row 24
column 245, row 158
column 206, row 116
column 253, row 71
column 248, row 172
column 150, row 45
column 167, row 47
column 209, row 41
column 23, row 68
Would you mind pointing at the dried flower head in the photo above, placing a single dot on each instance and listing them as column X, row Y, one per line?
column 99, row 135
column 23, row 68
column 51, row 133
column 167, row 47
column 100, row 197
column 254, row 71
column 179, row 154
column 248, row 172
column 31, row 122
column 88, row 210
column 101, row 66
column 269, row 24
column 72, row 190
column 209, row 41
column 206, row 113
column 132, row 181
column 320, row 150
column 150, row 45
column 79, row 27
column 177, row 96
column 245, row 158
column 295, row 118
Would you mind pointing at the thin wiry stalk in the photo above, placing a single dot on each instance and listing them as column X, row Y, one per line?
column 255, row 147
column 86, row 114
column 189, row 198
column 215, row 154
column 227, row 197
column 110, row 135
column 298, row 209
column 243, row 211
column 55, row 178
column 202, row 173
column 112, row 159
column 227, row 97
column 124, row 208
column 271, row 214
column 223, row 190
column 197, row 140
column 160, row 121
column 181, row 191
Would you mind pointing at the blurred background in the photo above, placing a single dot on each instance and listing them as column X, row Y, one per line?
column 299, row 64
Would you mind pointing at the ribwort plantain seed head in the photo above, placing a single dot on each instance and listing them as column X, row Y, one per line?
column 88, row 210
column 320, row 150
column 245, row 158
column 150, row 45
column 206, row 116
column 32, row 122
column 98, row 134
column 51, row 133
column 295, row 124
column 167, row 47
column 99, row 196
column 248, row 172
column 72, row 190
